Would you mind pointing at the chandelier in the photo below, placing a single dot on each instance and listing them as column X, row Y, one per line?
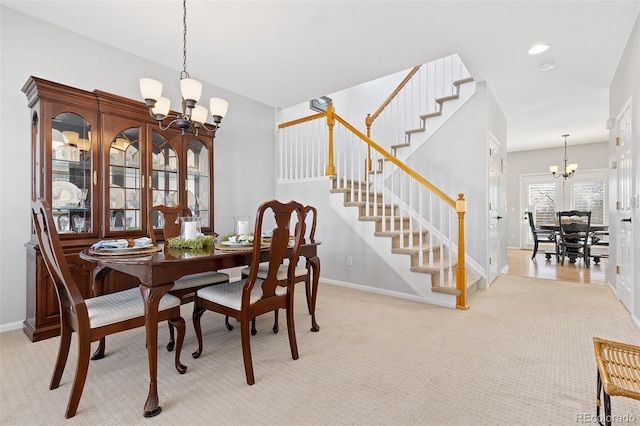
column 569, row 169
column 192, row 116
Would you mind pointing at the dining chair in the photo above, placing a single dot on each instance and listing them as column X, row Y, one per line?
column 301, row 274
column 542, row 236
column 185, row 287
column 92, row 318
column 618, row 373
column 250, row 297
column 575, row 235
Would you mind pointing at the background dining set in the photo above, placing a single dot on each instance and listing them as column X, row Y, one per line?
column 168, row 280
column 572, row 235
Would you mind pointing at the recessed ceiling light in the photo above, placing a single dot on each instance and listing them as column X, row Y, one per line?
column 547, row 66
column 538, row 48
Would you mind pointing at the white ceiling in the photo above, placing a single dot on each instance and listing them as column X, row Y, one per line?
column 283, row 53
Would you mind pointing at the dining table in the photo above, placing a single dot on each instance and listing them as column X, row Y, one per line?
column 596, row 229
column 157, row 271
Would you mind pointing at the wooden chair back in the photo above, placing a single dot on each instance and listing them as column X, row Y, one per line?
column 575, row 226
column 575, row 230
column 171, row 227
column 310, row 211
column 70, row 299
column 541, row 235
column 278, row 247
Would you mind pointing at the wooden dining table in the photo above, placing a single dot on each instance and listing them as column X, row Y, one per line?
column 157, row 273
column 597, row 229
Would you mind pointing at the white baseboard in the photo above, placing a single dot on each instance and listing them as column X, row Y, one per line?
column 11, row 326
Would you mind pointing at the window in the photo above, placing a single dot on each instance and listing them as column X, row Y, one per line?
column 545, row 195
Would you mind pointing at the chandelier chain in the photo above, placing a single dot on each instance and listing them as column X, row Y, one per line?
column 184, row 73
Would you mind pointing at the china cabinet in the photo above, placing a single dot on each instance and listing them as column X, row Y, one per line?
column 101, row 162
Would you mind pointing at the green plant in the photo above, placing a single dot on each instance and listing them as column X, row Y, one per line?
column 197, row 243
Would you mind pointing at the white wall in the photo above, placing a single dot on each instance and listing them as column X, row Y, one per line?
column 455, row 159
column 244, row 143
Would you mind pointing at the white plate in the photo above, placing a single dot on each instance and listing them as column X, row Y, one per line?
column 116, row 197
column 65, row 194
column 158, row 197
column 191, row 199
column 126, row 249
column 116, row 157
column 229, row 243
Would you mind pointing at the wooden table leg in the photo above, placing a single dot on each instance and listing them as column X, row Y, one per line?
column 152, row 296
column 315, row 267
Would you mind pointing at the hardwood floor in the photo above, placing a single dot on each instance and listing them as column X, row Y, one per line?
column 520, row 263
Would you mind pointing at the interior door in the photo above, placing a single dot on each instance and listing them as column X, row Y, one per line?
column 495, row 215
column 625, row 204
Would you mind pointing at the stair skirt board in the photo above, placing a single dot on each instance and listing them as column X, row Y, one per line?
column 420, row 283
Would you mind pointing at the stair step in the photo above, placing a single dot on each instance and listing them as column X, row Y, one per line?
column 378, row 220
column 400, row 145
column 431, row 114
column 376, row 210
column 435, row 269
column 397, row 232
column 447, row 98
column 472, row 287
column 413, row 131
column 373, row 196
column 349, row 183
column 463, row 81
column 445, row 290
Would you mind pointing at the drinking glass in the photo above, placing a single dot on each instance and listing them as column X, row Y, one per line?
column 79, row 222
column 82, row 196
column 63, row 222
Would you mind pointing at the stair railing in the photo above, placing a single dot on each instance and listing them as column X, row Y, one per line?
column 428, row 223
column 418, row 97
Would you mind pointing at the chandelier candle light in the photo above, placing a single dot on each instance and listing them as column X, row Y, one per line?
column 569, row 169
column 193, row 116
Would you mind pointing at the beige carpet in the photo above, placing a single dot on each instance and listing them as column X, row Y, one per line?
column 521, row 355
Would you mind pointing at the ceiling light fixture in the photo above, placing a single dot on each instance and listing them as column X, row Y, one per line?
column 547, row 66
column 538, row 48
column 193, row 116
column 569, row 169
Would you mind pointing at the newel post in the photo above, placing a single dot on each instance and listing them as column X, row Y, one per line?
column 367, row 165
column 331, row 170
column 461, row 273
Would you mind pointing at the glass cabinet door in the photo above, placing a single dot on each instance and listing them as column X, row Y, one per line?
column 125, row 181
column 198, row 183
column 71, row 174
column 164, row 174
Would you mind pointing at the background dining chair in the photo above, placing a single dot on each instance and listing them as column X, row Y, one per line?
column 185, row 287
column 250, row 297
column 542, row 236
column 301, row 274
column 93, row 318
column 575, row 235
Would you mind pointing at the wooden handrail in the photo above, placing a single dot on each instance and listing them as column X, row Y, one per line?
column 370, row 118
column 368, row 121
column 302, row 120
column 397, row 162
